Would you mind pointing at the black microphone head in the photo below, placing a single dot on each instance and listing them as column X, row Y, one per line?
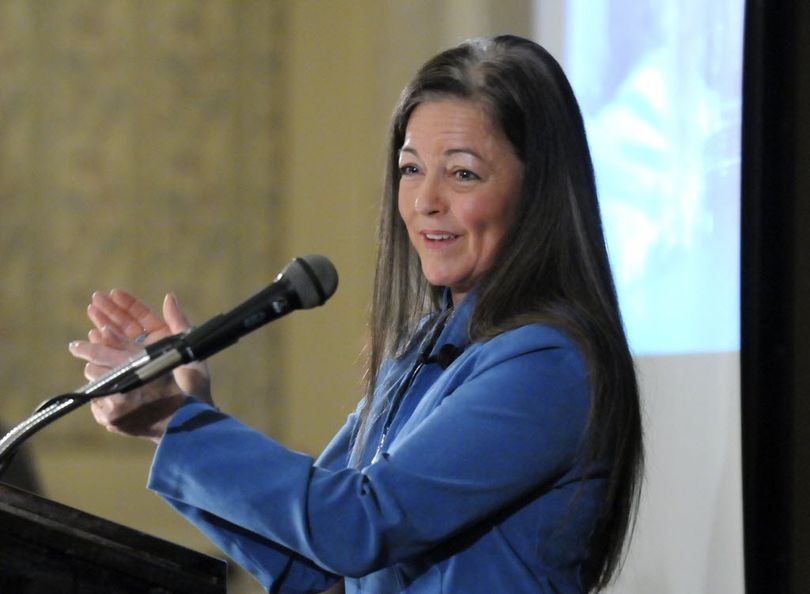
column 313, row 278
column 447, row 354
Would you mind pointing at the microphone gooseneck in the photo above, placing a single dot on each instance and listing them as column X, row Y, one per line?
column 306, row 282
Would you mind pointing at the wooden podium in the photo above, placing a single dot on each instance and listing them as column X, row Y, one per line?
column 48, row 548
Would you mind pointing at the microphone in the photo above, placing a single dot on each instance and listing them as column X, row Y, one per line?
column 303, row 284
column 445, row 355
column 306, row 282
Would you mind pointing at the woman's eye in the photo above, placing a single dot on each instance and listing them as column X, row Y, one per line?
column 465, row 175
column 408, row 170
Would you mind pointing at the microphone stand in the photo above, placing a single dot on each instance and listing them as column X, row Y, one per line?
column 58, row 406
column 304, row 283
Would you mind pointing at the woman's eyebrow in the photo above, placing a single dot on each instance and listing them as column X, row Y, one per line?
column 452, row 151
column 464, row 150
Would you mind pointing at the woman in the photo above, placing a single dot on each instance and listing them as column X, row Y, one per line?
column 499, row 449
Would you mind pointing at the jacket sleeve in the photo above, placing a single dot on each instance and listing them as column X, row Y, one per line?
column 513, row 426
column 278, row 569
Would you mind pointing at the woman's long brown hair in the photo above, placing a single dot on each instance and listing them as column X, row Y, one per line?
column 552, row 267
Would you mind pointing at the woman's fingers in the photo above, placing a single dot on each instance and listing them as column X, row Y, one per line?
column 119, row 318
column 174, row 316
column 126, row 314
column 194, row 378
column 138, row 311
column 97, row 364
column 93, row 372
column 94, row 335
column 111, row 337
column 141, row 413
column 103, row 311
column 98, row 315
column 105, row 349
column 129, row 316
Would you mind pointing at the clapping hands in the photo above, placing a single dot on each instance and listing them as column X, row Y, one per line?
column 122, row 326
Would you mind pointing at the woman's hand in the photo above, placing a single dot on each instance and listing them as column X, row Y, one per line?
column 123, row 325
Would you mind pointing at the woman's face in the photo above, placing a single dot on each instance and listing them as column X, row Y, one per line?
column 458, row 191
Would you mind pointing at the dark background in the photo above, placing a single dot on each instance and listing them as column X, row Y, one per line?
column 775, row 353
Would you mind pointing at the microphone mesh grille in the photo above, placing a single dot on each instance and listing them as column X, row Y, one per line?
column 313, row 278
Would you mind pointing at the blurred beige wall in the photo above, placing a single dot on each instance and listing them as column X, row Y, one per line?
column 197, row 146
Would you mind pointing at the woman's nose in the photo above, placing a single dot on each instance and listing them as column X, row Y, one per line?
column 430, row 198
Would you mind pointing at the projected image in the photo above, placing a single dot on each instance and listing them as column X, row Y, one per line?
column 662, row 105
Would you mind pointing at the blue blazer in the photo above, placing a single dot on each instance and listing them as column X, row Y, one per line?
column 477, row 487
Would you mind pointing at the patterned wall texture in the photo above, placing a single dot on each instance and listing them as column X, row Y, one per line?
column 140, row 146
